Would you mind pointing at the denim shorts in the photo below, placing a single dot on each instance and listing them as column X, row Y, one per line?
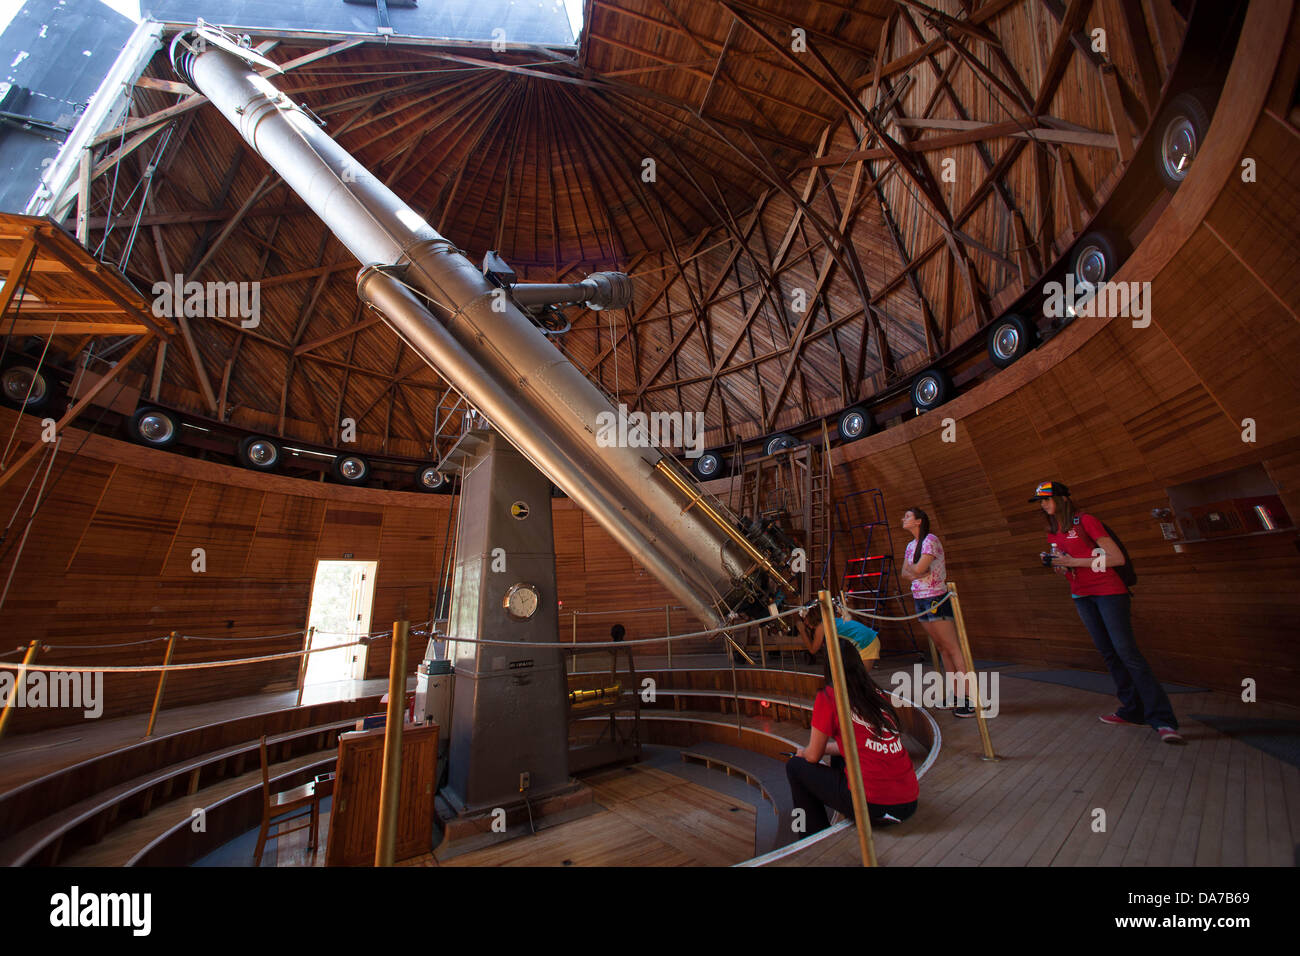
column 943, row 613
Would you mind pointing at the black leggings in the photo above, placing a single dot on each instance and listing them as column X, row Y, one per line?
column 815, row 786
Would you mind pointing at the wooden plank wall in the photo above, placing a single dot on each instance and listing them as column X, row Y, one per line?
column 109, row 560
column 1121, row 414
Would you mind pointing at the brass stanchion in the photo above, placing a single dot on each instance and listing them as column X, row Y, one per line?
column 738, row 649
column 391, row 781
column 973, row 683
column 19, row 679
column 668, row 632
column 162, row 682
column 848, row 739
column 302, row 662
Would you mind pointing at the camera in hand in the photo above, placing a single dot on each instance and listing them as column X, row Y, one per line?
column 1046, row 558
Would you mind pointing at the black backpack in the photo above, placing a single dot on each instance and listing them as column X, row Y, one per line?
column 1127, row 573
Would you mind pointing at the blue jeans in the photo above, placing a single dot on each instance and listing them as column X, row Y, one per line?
column 1141, row 698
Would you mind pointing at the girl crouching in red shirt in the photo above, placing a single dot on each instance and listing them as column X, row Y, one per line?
column 888, row 779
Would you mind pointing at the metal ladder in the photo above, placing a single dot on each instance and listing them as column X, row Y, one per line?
column 871, row 582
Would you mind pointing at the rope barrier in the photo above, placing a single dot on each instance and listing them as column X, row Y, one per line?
column 373, row 635
column 627, row 610
column 160, row 668
column 934, row 606
column 596, row 645
column 264, row 637
column 157, row 668
column 95, row 647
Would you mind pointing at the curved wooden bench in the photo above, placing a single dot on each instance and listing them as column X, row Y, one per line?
column 87, row 821
column 771, row 738
column 224, row 820
column 60, row 789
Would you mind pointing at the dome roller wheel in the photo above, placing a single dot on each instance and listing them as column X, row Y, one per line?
column 430, row 480
column 22, row 386
column 1010, row 337
column 779, row 442
column 154, row 427
column 931, row 389
column 1096, row 259
column 1180, row 135
column 350, row 469
column 854, row 423
column 260, row 453
column 708, row 466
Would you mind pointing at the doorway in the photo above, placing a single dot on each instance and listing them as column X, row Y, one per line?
column 342, row 594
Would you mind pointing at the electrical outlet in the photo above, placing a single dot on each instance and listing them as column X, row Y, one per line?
column 524, row 781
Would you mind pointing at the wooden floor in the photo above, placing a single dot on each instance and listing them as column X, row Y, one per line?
column 1213, row 802
column 650, row 818
column 1216, row 801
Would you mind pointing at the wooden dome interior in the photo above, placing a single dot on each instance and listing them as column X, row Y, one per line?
column 947, row 158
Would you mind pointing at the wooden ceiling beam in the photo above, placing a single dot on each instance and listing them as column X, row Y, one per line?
column 778, row 259
column 801, row 23
column 1082, row 42
column 704, row 75
column 74, row 327
column 191, row 102
column 650, row 303
column 938, row 18
column 1133, row 28
column 986, row 12
column 264, row 185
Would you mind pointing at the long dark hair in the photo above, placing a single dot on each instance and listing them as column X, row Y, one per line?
column 866, row 699
column 924, row 518
column 1062, row 521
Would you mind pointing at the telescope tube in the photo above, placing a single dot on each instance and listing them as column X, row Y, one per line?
column 471, row 332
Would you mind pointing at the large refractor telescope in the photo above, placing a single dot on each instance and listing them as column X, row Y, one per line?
column 484, row 344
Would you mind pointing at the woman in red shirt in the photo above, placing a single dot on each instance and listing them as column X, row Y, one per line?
column 887, row 775
column 1102, row 600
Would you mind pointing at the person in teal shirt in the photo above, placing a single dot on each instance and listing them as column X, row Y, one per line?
column 865, row 639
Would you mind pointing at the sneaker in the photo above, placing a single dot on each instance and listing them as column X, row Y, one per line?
column 1170, row 736
column 1116, row 719
column 964, row 710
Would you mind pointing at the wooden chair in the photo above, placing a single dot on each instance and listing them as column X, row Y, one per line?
column 298, row 802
